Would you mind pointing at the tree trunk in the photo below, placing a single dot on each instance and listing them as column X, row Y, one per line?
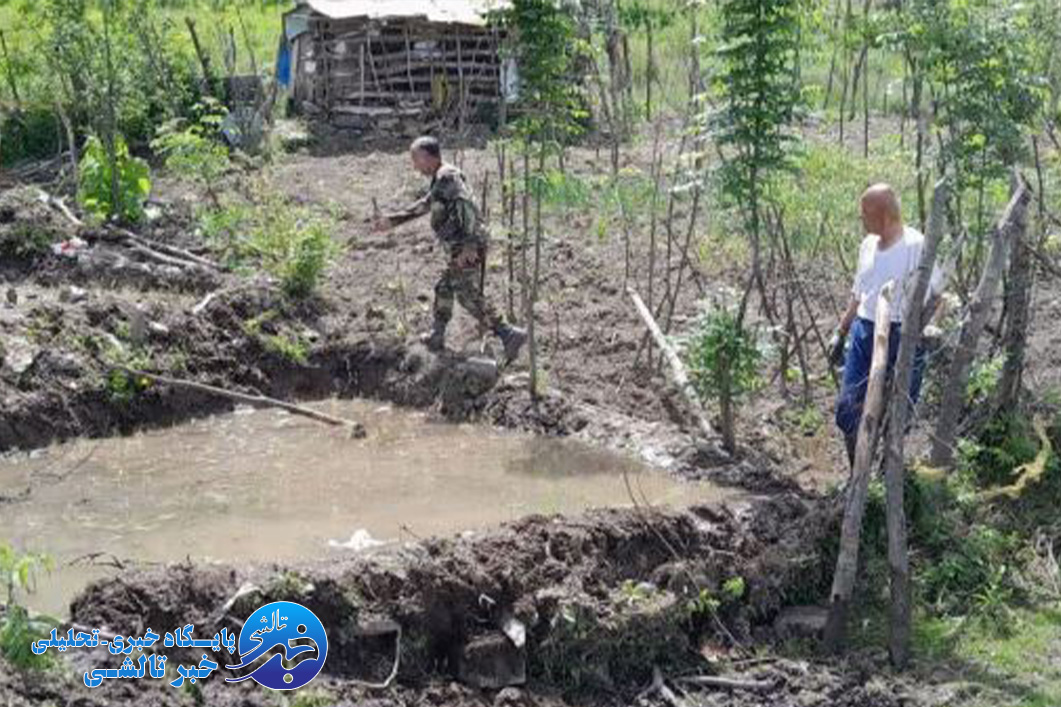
column 532, row 299
column 204, row 58
column 1018, row 298
column 898, row 414
column 855, row 502
column 1012, row 223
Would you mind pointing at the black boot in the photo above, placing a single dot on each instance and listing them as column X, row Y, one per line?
column 435, row 340
column 512, row 338
column 849, row 444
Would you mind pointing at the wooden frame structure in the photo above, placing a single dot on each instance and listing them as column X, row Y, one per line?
column 370, row 62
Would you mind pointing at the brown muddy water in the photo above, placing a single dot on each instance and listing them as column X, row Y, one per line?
column 262, row 485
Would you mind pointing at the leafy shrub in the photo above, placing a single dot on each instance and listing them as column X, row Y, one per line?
column 95, row 175
column 291, row 243
column 29, row 135
column 723, row 358
column 193, row 150
column 25, row 241
column 18, row 629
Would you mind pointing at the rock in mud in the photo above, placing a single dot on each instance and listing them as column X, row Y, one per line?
column 492, row 661
column 72, row 294
column 19, row 354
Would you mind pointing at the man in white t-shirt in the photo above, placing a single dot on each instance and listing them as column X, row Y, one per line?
column 891, row 251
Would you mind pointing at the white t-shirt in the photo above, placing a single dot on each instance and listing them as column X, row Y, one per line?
column 899, row 263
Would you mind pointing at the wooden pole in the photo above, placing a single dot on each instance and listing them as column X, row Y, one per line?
column 460, row 89
column 677, row 368
column 361, row 91
column 409, row 61
column 898, row 413
column 858, row 485
column 356, row 428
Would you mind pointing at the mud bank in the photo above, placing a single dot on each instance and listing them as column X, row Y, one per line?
column 603, row 598
column 70, row 323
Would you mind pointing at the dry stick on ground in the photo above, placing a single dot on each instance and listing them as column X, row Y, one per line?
column 898, row 414
column 1013, row 222
column 855, row 503
column 678, row 373
column 130, row 238
column 658, row 686
column 356, row 428
column 160, row 252
column 728, row 683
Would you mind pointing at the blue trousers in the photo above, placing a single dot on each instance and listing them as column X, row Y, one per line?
column 856, row 373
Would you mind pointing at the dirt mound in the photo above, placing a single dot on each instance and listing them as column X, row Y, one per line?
column 28, row 226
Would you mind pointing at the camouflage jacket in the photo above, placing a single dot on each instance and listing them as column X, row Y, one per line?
column 455, row 218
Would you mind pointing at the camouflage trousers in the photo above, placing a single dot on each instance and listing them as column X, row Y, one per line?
column 465, row 285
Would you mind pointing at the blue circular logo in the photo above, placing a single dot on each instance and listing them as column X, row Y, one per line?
column 291, row 636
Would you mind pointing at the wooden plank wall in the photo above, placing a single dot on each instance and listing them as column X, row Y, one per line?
column 397, row 67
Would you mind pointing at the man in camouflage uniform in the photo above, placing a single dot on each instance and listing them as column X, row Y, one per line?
column 458, row 225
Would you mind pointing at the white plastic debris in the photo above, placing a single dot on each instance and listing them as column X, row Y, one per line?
column 360, row 540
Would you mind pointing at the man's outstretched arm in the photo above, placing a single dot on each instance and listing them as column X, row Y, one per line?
column 418, row 208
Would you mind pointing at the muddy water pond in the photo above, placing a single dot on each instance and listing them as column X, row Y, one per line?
column 262, row 485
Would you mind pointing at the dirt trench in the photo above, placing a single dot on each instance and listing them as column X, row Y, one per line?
column 604, row 599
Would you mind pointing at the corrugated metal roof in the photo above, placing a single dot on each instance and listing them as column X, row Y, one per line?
column 467, row 12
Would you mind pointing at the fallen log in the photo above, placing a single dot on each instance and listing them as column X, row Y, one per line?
column 678, row 372
column 356, row 428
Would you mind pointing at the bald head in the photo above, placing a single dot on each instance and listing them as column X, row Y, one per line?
column 881, row 211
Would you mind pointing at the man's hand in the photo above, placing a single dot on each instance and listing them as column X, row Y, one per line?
column 467, row 257
column 836, row 349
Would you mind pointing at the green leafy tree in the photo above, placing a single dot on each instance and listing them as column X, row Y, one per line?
column 193, row 150
column 988, row 91
column 723, row 357
column 553, row 113
column 759, row 82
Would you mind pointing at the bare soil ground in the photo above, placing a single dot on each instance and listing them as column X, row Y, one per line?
column 61, row 342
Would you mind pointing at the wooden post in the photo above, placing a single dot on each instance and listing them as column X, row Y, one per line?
column 460, row 87
column 1013, row 222
column 361, row 96
column 409, row 60
column 898, row 413
column 855, row 502
column 677, row 368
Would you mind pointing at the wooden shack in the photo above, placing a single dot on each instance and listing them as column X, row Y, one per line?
column 370, row 62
